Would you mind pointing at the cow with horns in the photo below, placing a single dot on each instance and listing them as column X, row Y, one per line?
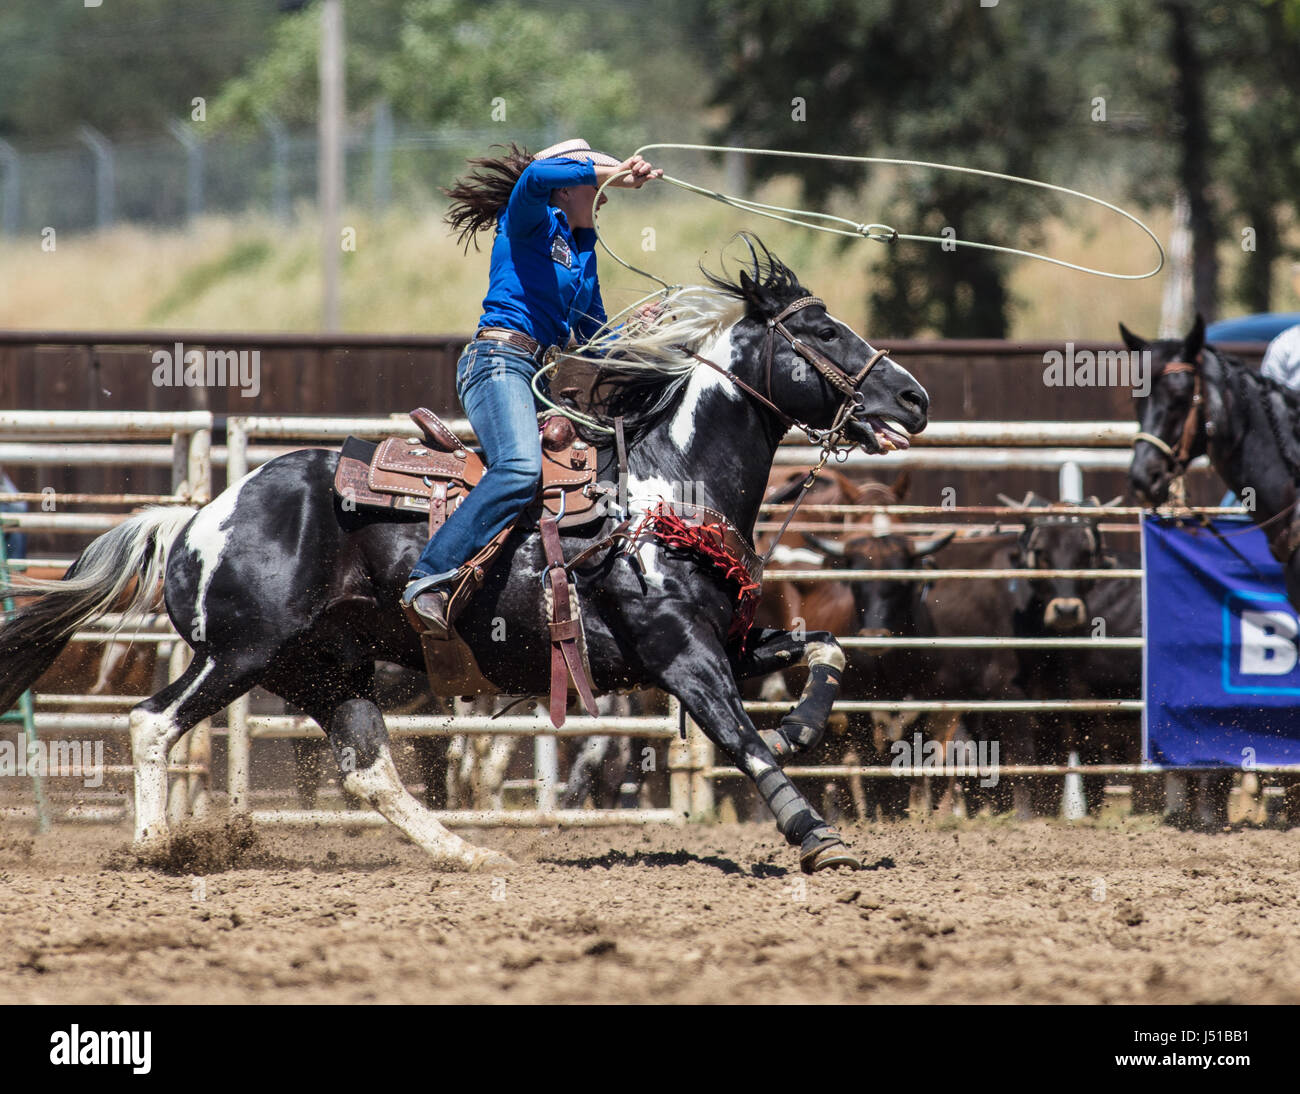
column 1053, row 606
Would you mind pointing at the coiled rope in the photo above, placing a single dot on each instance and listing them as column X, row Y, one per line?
column 881, row 233
column 836, row 225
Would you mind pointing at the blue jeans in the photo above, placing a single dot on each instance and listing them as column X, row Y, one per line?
column 493, row 384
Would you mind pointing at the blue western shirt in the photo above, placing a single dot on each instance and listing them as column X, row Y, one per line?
column 543, row 273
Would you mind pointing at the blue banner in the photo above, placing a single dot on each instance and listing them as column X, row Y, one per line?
column 1221, row 674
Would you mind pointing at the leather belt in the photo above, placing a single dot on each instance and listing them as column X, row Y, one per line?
column 514, row 338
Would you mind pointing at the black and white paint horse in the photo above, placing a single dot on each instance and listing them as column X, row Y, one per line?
column 274, row 583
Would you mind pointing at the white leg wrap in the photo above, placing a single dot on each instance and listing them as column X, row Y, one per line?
column 824, row 653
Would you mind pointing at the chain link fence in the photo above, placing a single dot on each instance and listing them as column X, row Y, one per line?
column 90, row 182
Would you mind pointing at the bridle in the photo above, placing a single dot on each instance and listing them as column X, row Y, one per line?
column 1182, row 455
column 836, row 375
column 831, row 440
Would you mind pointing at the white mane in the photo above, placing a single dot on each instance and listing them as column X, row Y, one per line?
column 691, row 317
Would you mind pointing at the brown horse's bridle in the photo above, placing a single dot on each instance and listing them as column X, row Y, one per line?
column 836, row 375
column 1182, row 455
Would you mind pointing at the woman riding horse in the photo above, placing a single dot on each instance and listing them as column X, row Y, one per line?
column 542, row 290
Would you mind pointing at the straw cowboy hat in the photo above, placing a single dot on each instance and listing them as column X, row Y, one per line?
column 579, row 150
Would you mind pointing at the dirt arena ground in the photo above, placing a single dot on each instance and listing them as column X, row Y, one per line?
column 981, row 912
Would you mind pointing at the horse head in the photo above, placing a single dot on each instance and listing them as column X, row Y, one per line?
column 1171, row 418
column 813, row 367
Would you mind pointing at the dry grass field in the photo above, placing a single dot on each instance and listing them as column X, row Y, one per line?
column 407, row 274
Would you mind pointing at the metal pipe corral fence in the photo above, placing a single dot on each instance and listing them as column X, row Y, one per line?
column 182, row 441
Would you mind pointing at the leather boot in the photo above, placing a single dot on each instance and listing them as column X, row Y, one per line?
column 425, row 603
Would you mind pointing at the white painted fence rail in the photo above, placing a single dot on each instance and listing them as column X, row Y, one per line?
column 183, row 442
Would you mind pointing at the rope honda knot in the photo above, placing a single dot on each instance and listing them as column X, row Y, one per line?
column 881, row 233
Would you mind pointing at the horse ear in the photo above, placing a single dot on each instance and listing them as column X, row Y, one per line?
column 1133, row 341
column 756, row 296
column 901, row 485
column 1195, row 340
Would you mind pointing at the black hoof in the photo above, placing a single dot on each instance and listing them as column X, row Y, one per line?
column 826, row 851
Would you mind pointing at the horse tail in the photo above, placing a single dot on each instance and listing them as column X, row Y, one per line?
column 32, row 636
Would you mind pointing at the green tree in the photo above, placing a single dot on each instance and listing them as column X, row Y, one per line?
column 124, row 67
column 950, row 81
column 445, row 62
column 1218, row 86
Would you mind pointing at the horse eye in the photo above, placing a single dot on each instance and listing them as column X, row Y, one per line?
column 828, row 334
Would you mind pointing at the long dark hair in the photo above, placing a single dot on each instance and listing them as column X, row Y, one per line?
column 478, row 197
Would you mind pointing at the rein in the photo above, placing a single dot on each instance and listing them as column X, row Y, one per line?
column 836, row 375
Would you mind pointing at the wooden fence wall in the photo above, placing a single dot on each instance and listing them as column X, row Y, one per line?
column 335, row 375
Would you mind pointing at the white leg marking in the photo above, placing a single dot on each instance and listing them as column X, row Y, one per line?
column 152, row 737
column 380, row 785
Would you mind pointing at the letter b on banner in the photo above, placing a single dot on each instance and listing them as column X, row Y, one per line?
column 1267, row 643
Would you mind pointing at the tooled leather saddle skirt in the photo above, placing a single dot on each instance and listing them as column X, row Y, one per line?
column 433, row 473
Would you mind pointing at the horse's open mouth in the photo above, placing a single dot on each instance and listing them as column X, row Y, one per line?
column 890, row 434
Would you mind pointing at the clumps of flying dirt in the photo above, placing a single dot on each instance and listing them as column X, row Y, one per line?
column 203, row 847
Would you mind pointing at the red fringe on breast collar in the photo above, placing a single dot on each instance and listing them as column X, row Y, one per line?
column 708, row 540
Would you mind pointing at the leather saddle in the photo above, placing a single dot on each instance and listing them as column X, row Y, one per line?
column 434, row 473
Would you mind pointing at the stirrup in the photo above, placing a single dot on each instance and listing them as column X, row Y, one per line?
column 442, row 587
column 419, row 585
